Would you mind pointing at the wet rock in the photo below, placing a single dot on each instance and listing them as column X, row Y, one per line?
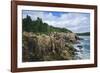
column 80, row 46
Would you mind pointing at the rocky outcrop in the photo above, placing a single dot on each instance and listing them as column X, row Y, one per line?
column 47, row 47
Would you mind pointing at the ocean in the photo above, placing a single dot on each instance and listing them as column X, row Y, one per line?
column 83, row 48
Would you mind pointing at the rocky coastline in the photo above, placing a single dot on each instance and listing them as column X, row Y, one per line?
column 49, row 47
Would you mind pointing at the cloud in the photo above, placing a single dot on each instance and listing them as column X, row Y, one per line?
column 77, row 22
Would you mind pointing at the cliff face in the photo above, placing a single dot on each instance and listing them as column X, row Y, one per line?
column 48, row 47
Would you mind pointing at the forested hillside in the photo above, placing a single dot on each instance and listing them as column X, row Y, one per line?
column 39, row 26
column 83, row 34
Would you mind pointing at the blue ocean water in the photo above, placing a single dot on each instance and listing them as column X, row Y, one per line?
column 84, row 52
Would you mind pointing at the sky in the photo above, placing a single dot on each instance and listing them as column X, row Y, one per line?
column 74, row 21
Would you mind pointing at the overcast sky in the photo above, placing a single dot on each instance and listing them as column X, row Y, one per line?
column 76, row 22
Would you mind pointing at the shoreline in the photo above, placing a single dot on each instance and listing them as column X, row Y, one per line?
column 50, row 47
column 80, row 49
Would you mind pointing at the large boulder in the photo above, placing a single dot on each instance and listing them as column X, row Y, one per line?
column 72, row 37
